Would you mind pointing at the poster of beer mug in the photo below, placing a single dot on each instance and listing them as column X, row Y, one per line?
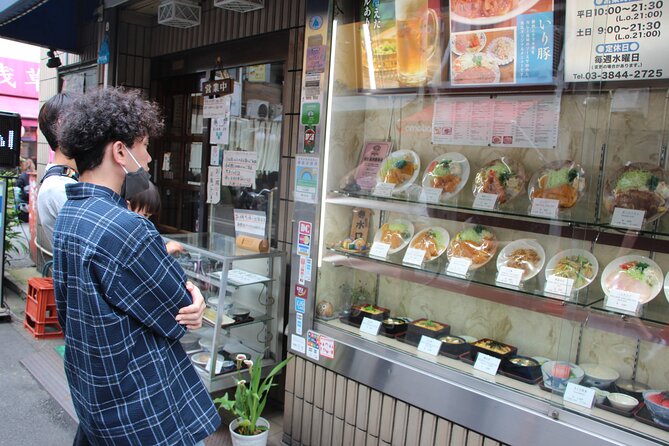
column 412, row 19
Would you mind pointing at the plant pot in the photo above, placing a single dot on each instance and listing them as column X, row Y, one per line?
column 249, row 440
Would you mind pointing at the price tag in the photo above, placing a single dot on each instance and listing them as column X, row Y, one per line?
column 379, row 250
column 430, row 195
column 623, row 300
column 579, row 395
column 459, row 266
column 487, row 364
column 485, row 201
column 544, row 207
column 628, row 218
column 298, row 344
column 509, row 276
column 429, row 345
column 370, row 326
column 384, row 190
column 414, row 257
column 559, row 285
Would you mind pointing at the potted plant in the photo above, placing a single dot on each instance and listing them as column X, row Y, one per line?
column 249, row 428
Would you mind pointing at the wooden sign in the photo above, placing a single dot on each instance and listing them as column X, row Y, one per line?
column 220, row 87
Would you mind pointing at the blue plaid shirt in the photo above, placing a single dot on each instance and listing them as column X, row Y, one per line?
column 117, row 294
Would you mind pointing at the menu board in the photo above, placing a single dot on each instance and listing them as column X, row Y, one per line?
column 518, row 121
column 501, row 42
column 617, row 41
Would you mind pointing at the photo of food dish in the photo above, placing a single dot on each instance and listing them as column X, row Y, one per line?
column 469, row 42
column 475, row 243
column 448, row 172
column 397, row 233
column 433, row 241
column 503, row 177
column 639, row 186
column 486, row 12
column 633, row 273
column 525, row 254
column 474, row 69
column 576, row 264
column 559, row 180
column 400, row 168
column 502, row 50
column 354, row 246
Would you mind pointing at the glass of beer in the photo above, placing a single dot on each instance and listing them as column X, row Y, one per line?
column 411, row 17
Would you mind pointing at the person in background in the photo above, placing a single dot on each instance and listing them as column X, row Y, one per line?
column 51, row 193
column 22, row 186
column 122, row 301
column 147, row 204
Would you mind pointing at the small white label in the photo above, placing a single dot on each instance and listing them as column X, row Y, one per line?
column 628, row 218
column 559, row 285
column 485, row 201
column 384, row 189
column 299, row 323
column 219, row 365
column 430, row 195
column 370, row 326
column 509, row 276
column 459, row 266
column 298, row 344
column 623, row 300
column 313, row 353
column 544, row 207
column 487, row 364
column 579, row 395
column 379, row 250
column 414, row 256
column 429, row 345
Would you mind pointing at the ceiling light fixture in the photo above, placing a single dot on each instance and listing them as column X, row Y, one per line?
column 240, row 5
column 179, row 13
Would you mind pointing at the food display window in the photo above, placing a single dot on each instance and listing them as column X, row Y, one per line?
column 490, row 215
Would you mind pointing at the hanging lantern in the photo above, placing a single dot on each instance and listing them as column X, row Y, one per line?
column 240, row 5
column 179, row 13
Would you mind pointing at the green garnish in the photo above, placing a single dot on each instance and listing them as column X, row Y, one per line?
column 369, row 308
column 652, row 183
column 429, row 323
column 475, row 234
column 504, row 177
column 573, row 174
column 400, row 164
column 636, row 179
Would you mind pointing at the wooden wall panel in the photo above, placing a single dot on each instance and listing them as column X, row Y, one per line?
column 354, row 414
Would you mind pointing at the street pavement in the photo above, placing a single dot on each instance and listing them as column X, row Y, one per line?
column 28, row 414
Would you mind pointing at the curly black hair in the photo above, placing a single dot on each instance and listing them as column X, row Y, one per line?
column 50, row 114
column 105, row 116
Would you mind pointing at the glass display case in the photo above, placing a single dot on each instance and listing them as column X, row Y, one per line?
column 491, row 226
column 244, row 313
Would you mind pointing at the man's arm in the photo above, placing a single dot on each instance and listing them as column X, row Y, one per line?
column 152, row 289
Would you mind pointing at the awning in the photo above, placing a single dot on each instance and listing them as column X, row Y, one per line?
column 46, row 23
column 27, row 108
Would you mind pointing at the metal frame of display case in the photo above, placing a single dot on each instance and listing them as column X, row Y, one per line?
column 274, row 307
column 503, row 409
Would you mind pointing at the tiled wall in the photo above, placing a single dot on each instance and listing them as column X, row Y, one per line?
column 323, row 408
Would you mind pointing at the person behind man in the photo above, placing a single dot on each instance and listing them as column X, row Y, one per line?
column 51, row 193
column 121, row 300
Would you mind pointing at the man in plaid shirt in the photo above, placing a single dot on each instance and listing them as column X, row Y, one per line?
column 122, row 301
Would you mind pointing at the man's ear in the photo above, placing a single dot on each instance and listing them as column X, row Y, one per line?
column 118, row 153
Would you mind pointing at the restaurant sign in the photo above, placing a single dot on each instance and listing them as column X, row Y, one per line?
column 219, row 87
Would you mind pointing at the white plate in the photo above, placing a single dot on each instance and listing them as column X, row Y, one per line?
column 653, row 269
column 446, row 238
column 409, row 227
column 482, row 41
column 524, row 243
column 202, row 358
column 666, row 287
column 523, row 5
column 464, row 176
column 494, row 56
column 474, row 60
column 489, row 255
column 396, row 156
column 552, row 263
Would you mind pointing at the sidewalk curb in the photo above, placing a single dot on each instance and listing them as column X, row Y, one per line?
column 9, row 283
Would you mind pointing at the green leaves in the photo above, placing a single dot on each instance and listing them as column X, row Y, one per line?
column 251, row 395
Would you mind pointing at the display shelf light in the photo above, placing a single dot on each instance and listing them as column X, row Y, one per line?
column 240, row 5
column 179, row 13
